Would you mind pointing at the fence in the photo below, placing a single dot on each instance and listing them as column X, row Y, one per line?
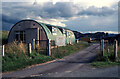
column 106, row 46
column 40, row 46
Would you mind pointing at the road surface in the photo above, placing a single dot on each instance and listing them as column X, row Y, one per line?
column 74, row 65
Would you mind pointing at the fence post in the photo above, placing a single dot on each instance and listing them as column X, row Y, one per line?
column 29, row 48
column 115, row 49
column 77, row 41
column 33, row 44
column 102, row 47
column 38, row 36
column 3, row 50
column 49, row 47
column 108, row 50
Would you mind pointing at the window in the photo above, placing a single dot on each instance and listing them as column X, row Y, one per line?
column 20, row 36
column 17, row 36
column 54, row 31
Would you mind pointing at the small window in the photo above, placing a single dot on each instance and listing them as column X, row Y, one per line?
column 17, row 36
column 20, row 36
column 54, row 31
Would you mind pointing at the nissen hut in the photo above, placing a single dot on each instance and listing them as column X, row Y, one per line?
column 27, row 30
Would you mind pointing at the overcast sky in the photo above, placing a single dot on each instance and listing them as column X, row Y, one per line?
column 79, row 15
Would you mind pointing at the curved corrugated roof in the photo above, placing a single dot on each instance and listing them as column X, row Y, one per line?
column 59, row 33
column 56, row 26
column 48, row 32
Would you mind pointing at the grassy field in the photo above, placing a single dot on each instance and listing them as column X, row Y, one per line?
column 108, row 59
column 17, row 57
column 4, row 36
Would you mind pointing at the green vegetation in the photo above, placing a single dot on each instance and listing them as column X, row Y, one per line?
column 13, row 61
column 108, row 59
column 62, row 51
column 17, row 57
column 4, row 36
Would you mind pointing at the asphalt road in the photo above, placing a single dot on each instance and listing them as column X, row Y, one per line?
column 75, row 65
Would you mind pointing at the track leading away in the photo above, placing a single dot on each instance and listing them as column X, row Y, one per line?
column 74, row 65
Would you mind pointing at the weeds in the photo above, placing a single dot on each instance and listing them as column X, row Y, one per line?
column 62, row 51
column 108, row 58
column 13, row 61
column 17, row 57
column 15, row 48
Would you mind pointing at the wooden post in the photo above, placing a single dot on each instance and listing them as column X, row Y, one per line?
column 115, row 49
column 108, row 50
column 70, row 41
column 102, row 47
column 29, row 48
column 38, row 36
column 33, row 44
column 77, row 41
column 49, row 47
column 3, row 50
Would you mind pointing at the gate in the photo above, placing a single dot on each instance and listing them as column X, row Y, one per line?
column 44, row 46
column 41, row 46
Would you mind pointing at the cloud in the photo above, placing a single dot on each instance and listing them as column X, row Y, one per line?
column 94, row 23
column 59, row 13
column 103, row 11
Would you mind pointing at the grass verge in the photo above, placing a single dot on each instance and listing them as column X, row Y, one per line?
column 16, row 59
column 108, row 59
column 62, row 51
